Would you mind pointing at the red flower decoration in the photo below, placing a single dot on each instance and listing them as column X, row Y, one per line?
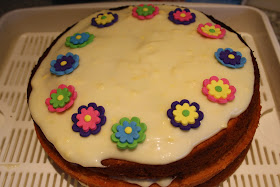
column 73, row 96
column 218, row 90
column 88, row 119
column 145, row 11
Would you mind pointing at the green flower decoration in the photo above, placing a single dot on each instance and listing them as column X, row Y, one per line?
column 128, row 133
column 145, row 10
column 61, row 98
column 79, row 40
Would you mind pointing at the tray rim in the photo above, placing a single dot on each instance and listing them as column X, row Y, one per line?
column 62, row 6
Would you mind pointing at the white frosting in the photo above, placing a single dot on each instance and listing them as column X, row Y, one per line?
column 138, row 68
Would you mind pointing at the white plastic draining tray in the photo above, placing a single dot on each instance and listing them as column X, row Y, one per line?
column 25, row 34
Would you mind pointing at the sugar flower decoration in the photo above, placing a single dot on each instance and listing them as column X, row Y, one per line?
column 104, row 20
column 211, row 31
column 79, row 40
column 230, row 58
column 128, row 133
column 64, row 64
column 185, row 115
column 218, row 90
column 89, row 119
column 145, row 11
column 61, row 99
column 179, row 16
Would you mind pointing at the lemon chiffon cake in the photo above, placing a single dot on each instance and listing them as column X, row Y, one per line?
column 146, row 93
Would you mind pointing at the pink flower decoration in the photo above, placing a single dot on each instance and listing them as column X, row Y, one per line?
column 68, row 105
column 182, row 16
column 141, row 7
column 211, row 31
column 88, row 119
column 218, row 90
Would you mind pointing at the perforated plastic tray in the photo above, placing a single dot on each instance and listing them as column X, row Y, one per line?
column 27, row 33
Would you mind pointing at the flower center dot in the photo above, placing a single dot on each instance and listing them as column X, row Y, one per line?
column 183, row 15
column 78, row 37
column 218, row 88
column 212, row 30
column 63, row 63
column 87, row 118
column 186, row 113
column 145, row 9
column 103, row 17
column 231, row 56
column 128, row 130
column 60, row 97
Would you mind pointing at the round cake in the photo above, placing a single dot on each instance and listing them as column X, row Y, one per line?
column 147, row 93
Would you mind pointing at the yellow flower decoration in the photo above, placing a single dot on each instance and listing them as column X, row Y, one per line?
column 185, row 114
column 218, row 89
column 211, row 30
column 104, row 19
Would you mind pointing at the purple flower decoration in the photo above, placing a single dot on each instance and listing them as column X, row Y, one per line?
column 185, row 115
column 64, row 64
column 104, row 20
column 89, row 119
column 179, row 16
column 230, row 58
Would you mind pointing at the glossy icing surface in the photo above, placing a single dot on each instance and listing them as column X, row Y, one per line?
column 138, row 68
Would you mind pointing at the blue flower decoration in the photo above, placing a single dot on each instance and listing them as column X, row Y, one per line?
column 230, row 58
column 179, row 16
column 64, row 64
column 128, row 132
column 79, row 40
